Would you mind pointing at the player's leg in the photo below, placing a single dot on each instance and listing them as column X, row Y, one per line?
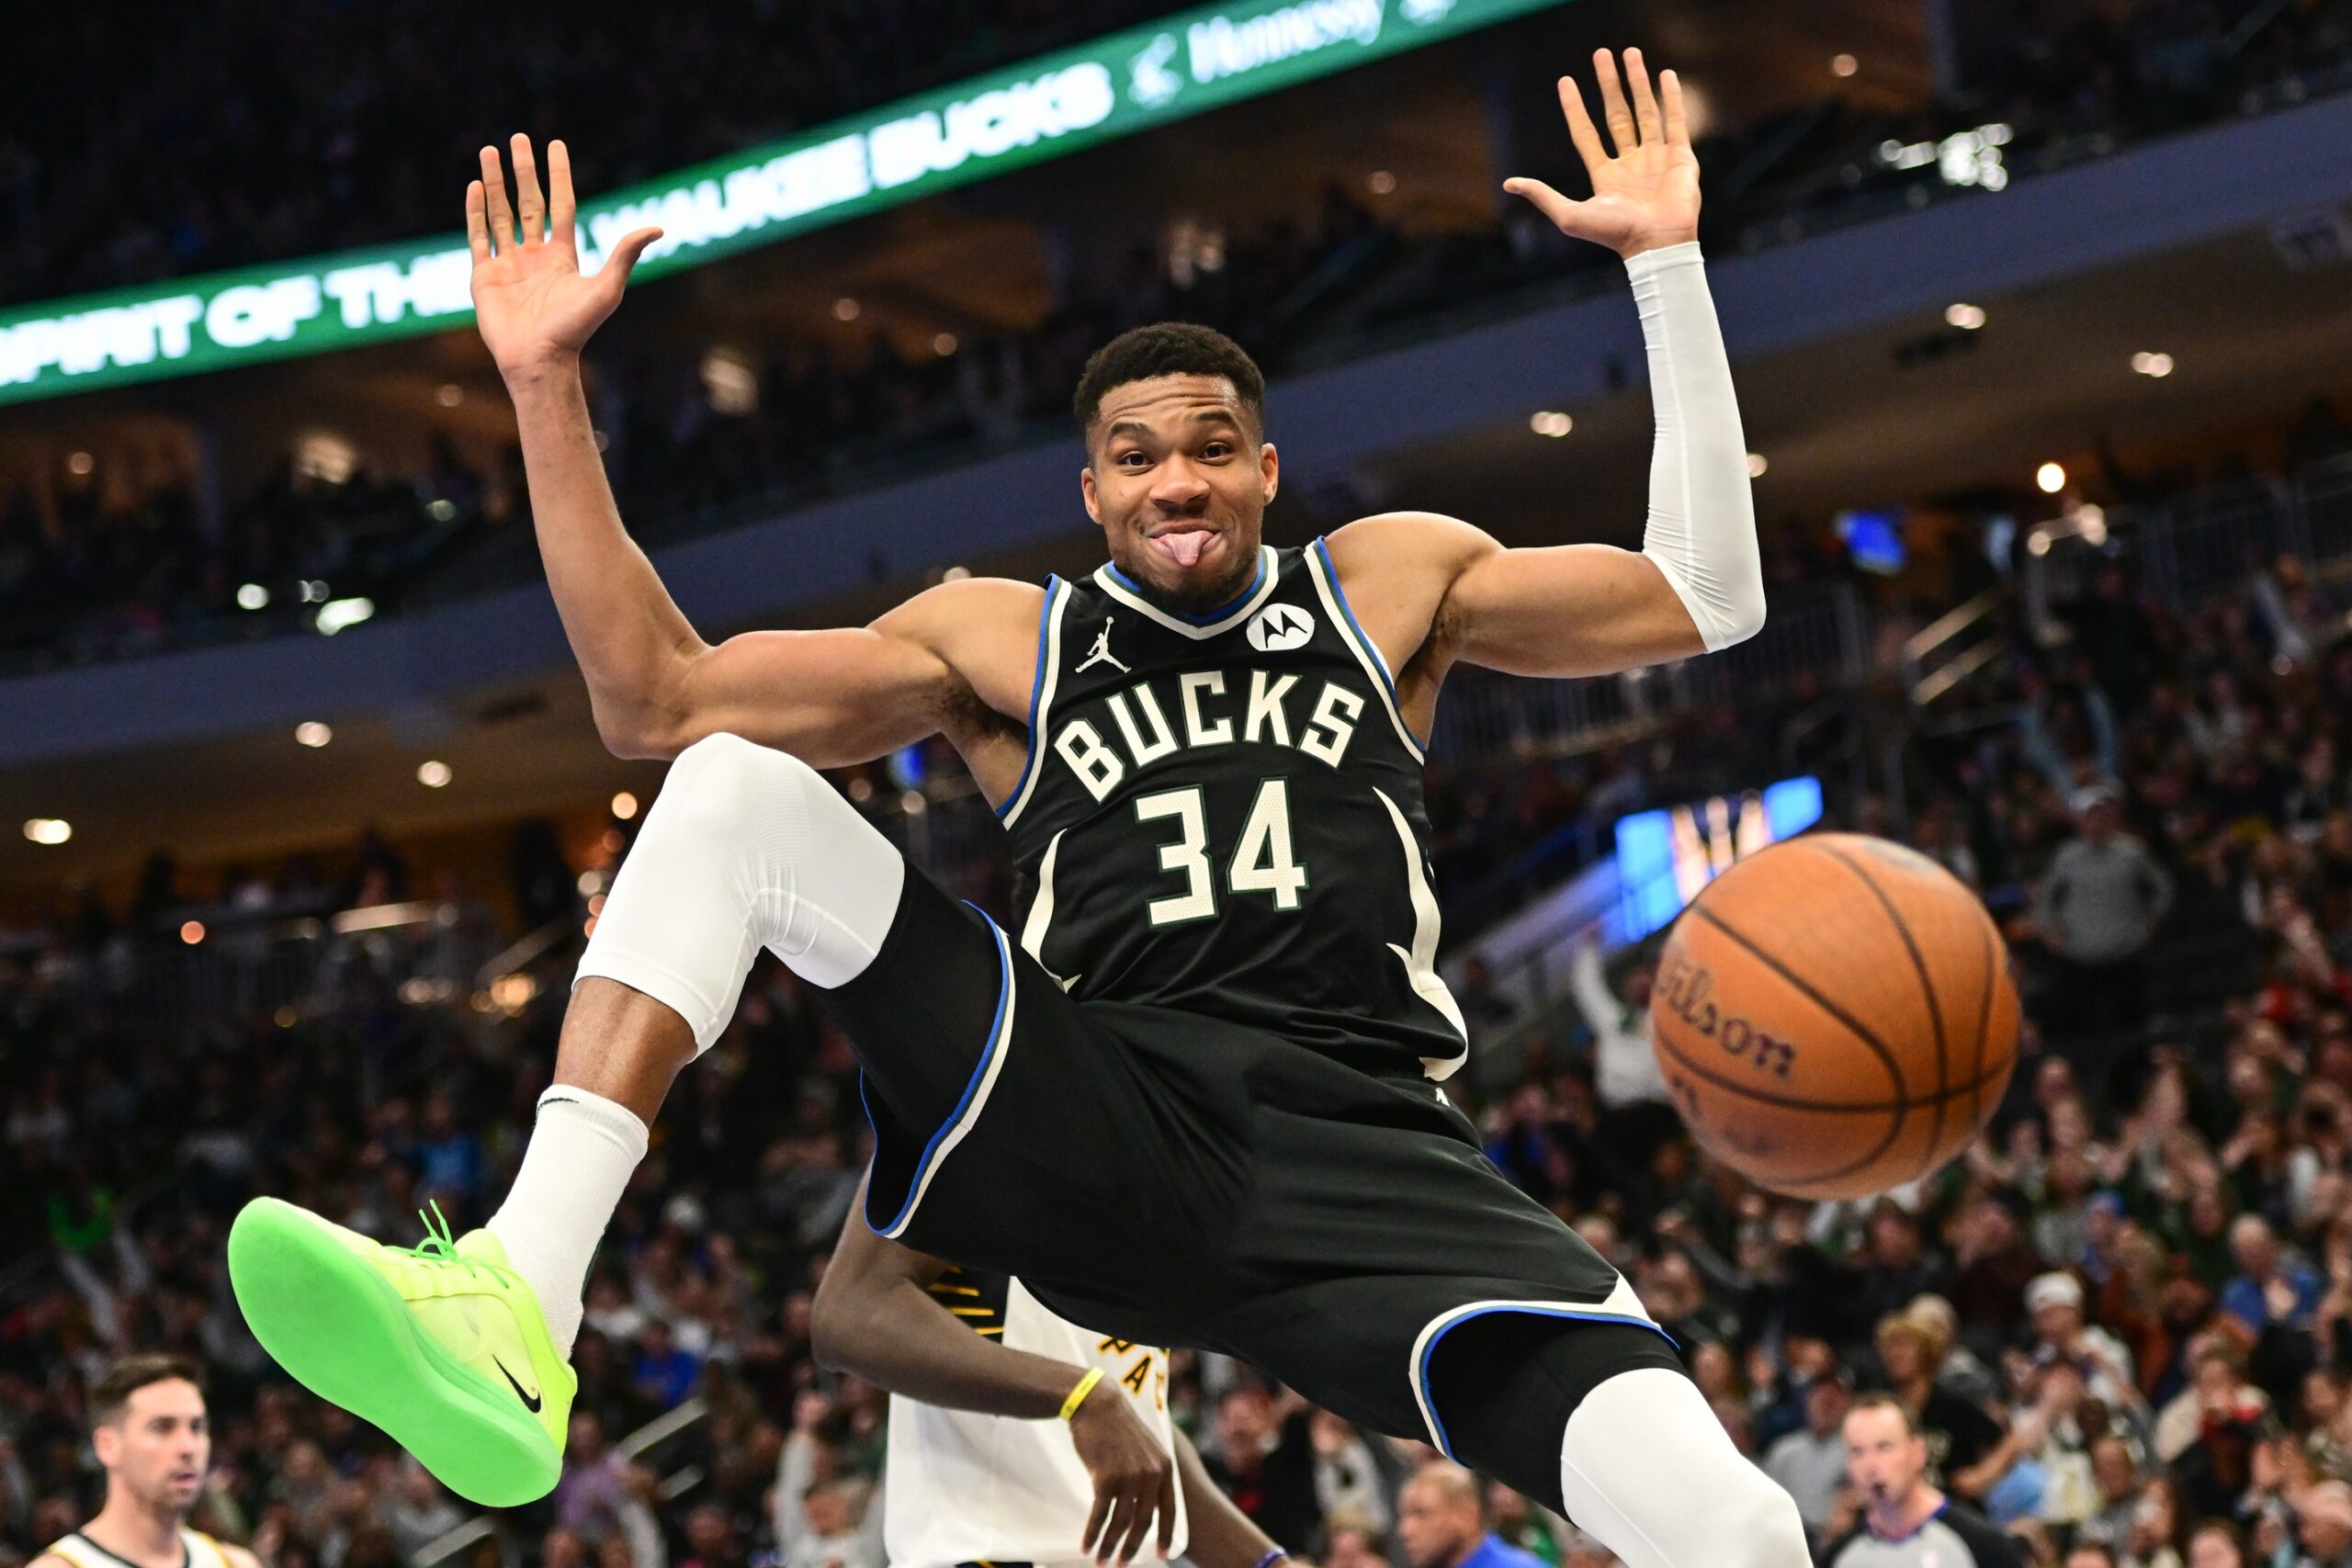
column 1600, row 1419
column 451, row 1347
column 1447, row 1303
column 746, row 846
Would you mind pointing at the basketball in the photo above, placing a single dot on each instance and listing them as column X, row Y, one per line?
column 1834, row 1016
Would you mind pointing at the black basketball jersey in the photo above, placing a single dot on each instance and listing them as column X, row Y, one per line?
column 1222, row 814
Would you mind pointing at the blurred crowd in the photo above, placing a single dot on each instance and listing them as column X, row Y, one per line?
column 161, row 177
column 249, row 132
column 2124, row 1318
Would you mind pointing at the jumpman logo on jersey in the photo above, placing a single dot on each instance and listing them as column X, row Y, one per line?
column 1102, row 654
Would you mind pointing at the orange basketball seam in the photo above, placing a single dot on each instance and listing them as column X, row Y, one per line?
column 1927, row 988
column 1838, row 1107
column 1854, row 1025
column 1866, row 1035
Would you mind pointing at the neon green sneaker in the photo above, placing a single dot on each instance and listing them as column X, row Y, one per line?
column 441, row 1345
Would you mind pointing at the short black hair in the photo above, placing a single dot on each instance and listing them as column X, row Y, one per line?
column 110, row 1395
column 1168, row 348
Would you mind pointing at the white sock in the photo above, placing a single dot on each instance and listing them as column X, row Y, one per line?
column 583, row 1149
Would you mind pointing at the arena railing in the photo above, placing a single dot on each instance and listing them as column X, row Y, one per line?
column 2192, row 547
column 206, row 965
column 648, row 1439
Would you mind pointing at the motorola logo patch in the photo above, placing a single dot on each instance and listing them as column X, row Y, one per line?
column 1278, row 628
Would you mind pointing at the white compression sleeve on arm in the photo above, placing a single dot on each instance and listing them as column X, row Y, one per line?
column 1702, row 528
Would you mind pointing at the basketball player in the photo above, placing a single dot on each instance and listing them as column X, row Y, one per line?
column 978, row 1469
column 148, row 1425
column 1196, row 1102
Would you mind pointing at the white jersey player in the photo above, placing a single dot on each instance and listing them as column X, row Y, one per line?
column 1015, row 1436
column 154, row 1441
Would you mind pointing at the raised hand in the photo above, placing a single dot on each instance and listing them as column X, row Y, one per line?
column 535, row 309
column 1646, row 195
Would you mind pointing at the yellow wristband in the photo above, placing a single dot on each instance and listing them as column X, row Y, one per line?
column 1078, row 1395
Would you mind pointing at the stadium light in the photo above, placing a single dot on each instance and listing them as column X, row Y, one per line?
column 449, row 395
column 252, row 596
column 1756, row 464
column 943, row 344
column 1381, row 183
column 845, row 308
column 432, row 775
column 314, row 734
column 192, row 931
column 1843, row 66
column 2051, row 477
column 2152, row 364
column 1550, row 422
column 337, row 614
column 1967, row 317
column 625, row 806
column 48, row 830
column 80, row 463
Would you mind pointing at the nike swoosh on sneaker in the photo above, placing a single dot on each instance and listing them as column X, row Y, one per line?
column 531, row 1401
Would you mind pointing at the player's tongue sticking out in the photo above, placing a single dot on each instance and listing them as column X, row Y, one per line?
column 1184, row 546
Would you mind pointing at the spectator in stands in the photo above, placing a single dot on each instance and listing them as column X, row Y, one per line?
column 419, row 1512
column 2272, row 1285
column 1440, row 1524
column 1810, row 1463
column 1962, row 1443
column 2322, row 1536
column 2096, row 910
column 1264, row 1460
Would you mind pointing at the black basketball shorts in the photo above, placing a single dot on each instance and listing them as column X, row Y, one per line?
column 1173, row 1180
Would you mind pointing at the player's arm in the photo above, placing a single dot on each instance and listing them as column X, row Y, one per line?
column 831, row 697
column 874, row 1316
column 1696, row 583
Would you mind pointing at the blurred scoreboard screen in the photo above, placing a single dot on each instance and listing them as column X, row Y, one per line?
column 1664, row 857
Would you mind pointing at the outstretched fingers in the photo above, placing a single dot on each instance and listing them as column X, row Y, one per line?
column 1549, row 202
column 527, row 189
column 1645, row 114
column 1622, row 134
column 476, row 223
column 1678, row 124
column 560, row 203
column 493, row 185
column 1581, row 130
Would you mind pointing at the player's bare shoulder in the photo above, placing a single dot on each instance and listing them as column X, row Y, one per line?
column 1396, row 568
column 983, row 628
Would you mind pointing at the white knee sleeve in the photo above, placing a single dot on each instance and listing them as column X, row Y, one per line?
column 745, row 848
column 1647, row 1468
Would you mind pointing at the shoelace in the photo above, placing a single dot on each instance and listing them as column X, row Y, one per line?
column 440, row 1245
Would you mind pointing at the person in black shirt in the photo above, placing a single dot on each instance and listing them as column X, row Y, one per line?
column 1906, row 1522
column 1959, row 1435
